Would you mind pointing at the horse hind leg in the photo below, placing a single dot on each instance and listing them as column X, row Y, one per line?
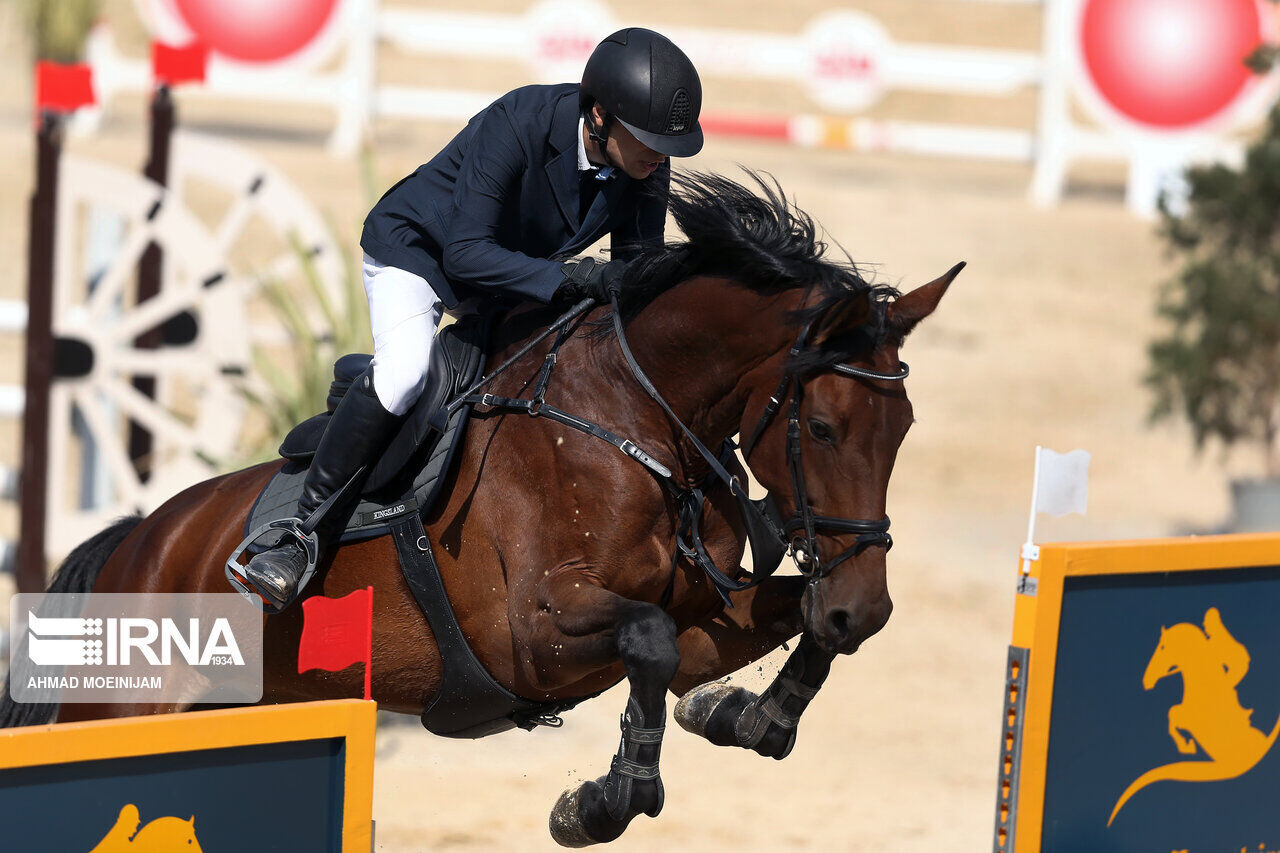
column 644, row 637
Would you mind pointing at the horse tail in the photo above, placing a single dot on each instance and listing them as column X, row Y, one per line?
column 1179, row 771
column 78, row 573
column 1195, row 771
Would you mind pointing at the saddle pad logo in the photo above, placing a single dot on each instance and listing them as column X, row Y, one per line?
column 394, row 510
column 163, row 833
column 1209, row 719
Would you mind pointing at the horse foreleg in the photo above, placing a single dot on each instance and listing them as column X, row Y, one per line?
column 644, row 637
column 766, row 723
column 761, row 619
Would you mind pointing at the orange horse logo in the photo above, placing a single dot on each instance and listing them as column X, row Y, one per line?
column 1209, row 717
column 162, row 835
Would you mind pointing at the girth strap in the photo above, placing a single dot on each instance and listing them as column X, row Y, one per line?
column 470, row 702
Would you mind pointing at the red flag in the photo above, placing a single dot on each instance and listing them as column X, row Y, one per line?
column 337, row 632
column 174, row 65
column 63, row 88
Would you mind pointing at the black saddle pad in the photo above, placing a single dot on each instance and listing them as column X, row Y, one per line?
column 411, row 472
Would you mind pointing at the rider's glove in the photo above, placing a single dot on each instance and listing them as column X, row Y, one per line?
column 587, row 277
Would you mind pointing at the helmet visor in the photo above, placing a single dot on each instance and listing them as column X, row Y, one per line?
column 684, row 145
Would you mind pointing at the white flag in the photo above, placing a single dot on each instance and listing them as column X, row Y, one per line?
column 1062, row 481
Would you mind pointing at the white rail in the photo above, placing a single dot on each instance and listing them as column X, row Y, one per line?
column 13, row 316
column 12, row 399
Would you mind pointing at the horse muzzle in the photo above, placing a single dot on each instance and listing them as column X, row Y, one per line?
column 841, row 628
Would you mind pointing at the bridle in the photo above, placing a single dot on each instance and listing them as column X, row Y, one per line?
column 805, row 549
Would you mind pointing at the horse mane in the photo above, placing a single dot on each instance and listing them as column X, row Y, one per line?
column 760, row 239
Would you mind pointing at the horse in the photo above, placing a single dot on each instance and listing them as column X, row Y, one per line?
column 163, row 833
column 1210, row 718
column 556, row 552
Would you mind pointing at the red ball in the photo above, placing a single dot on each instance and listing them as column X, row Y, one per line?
column 1169, row 63
column 256, row 30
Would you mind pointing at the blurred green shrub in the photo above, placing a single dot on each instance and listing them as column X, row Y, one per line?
column 1218, row 366
column 296, row 387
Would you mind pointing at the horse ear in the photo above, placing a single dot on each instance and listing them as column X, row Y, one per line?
column 910, row 308
column 845, row 316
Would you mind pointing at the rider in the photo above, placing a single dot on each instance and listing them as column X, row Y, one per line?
column 543, row 172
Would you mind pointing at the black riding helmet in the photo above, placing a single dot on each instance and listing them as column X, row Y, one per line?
column 650, row 87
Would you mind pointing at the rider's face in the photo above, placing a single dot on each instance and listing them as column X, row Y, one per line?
column 626, row 152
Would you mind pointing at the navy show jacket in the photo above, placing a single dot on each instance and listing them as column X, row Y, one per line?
column 487, row 213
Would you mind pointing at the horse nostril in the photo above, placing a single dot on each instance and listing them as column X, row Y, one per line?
column 839, row 624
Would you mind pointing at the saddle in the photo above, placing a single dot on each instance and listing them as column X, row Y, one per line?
column 415, row 462
column 398, row 492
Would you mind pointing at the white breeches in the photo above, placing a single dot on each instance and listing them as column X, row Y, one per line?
column 404, row 312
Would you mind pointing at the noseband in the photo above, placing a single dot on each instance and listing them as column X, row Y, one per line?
column 804, row 548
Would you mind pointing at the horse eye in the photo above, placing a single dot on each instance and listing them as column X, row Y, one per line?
column 821, row 431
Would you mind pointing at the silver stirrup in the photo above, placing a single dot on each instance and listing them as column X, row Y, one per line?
column 235, row 569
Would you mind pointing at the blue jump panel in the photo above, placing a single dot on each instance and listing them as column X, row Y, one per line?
column 267, row 797
column 1107, row 730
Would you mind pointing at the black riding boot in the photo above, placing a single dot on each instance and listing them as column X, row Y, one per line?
column 358, row 432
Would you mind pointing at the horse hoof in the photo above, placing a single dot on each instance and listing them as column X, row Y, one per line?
column 696, row 707
column 566, row 821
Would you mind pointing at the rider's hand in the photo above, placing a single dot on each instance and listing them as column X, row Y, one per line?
column 587, row 277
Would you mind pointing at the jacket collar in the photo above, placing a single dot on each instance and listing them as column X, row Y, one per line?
column 562, row 170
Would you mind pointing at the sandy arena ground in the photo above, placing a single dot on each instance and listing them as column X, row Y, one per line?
column 1041, row 340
